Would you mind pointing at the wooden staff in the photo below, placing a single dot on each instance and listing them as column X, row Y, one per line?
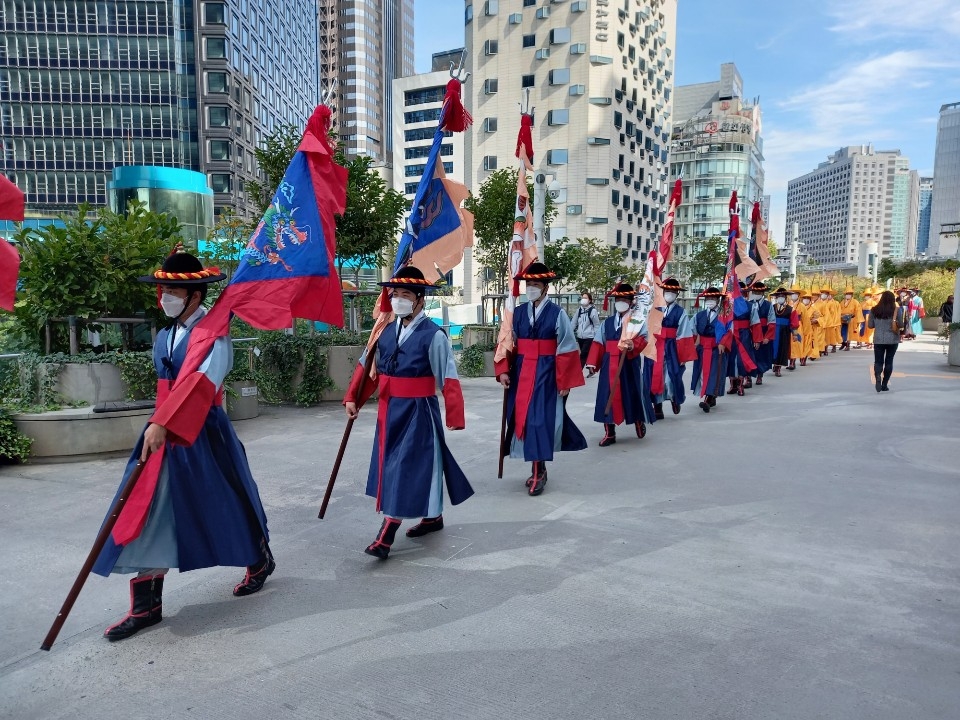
column 616, row 382
column 503, row 434
column 367, row 366
column 92, row 556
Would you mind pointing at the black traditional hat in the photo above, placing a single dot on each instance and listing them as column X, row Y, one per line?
column 780, row 291
column 712, row 292
column 622, row 290
column 671, row 284
column 759, row 286
column 409, row 278
column 182, row 268
column 538, row 272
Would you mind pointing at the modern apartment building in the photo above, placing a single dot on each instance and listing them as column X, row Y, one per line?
column 852, row 199
column 363, row 46
column 600, row 79
column 945, row 208
column 417, row 102
column 926, row 199
column 717, row 146
column 86, row 86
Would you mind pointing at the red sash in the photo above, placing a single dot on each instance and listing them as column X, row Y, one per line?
column 397, row 387
column 530, row 351
column 657, row 384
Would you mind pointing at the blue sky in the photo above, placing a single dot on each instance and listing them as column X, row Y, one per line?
column 828, row 72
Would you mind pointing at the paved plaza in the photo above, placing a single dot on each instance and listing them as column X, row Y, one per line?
column 793, row 555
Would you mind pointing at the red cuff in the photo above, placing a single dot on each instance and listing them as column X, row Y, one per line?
column 727, row 340
column 686, row 349
column 639, row 344
column 595, row 356
column 185, row 409
column 502, row 366
column 361, row 387
column 569, row 372
column 453, row 402
column 756, row 332
column 770, row 332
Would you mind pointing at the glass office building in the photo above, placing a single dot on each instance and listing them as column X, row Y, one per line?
column 87, row 86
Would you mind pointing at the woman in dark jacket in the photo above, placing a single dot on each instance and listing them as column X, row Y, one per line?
column 946, row 311
column 888, row 320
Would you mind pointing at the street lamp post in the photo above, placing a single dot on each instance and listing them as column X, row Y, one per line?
column 539, row 202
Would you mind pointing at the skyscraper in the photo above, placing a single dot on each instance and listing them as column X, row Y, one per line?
column 905, row 210
column 86, row 86
column 363, row 46
column 923, row 229
column 600, row 76
column 945, row 208
column 716, row 145
column 850, row 200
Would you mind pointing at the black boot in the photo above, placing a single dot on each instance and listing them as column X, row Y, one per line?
column 759, row 379
column 675, row 406
column 712, row 400
column 539, row 479
column 776, row 370
column 705, row 406
column 257, row 574
column 877, row 370
column 381, row 546
column 641, row 429
column 886, row 379
column 803, row 362
column 609, row 435
column 658, row 410
column 740, row 385
column 746, row 383
column 146, row 608
column 793, row 364
column 426, row 526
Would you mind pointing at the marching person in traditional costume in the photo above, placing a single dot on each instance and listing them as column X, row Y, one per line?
column 917, row 312
column 538, row 377
column 676, row 346
column 819, row 320
column 796, row 339
column 850, row 314
column 786, row 327
column 196, row 504
column 811, row 333
column 631, row 402
column 870, row 298
column 742, row 363
column 410, row 459
column 830, row 312
column 710, row 367
column 768, row 322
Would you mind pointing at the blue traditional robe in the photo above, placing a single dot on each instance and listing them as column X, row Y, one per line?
column 410, row 458
column 205, row 508
column 768, row 321
column 675, row 348
column 742, row 360
column 547, row 361
column 631, row 402
column 710, row 367
column 787, row 324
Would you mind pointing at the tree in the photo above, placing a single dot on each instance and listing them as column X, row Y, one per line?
column 493, row 215
column 590, row 265
column 369, row 226
column 709, row 264
column 228, row 238
column 273, row 157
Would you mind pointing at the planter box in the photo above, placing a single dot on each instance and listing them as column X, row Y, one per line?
column 91, row 383
column 341, row 362
column 488, row 367
column 245, row 403
column 77, row 432
column 473, row 335
column 931, row 323
column 953, row 352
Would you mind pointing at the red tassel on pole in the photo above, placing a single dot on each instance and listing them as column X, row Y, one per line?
column 455, row 115
column 525, row 137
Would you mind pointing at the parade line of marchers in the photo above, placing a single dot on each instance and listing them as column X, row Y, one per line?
column 188, row 499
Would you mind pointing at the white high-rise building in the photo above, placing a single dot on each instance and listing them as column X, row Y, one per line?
column 852, row 199
column 417, row 101
column 600, row 77
column 945, row 207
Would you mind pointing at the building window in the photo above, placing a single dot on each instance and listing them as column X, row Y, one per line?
column 490, row 86
column 542, row 54
column 560, row 76
column 489, row 162
column 602, row 101
column 491, row 47
column 216, row 48
column 529, row 40
column 415, row 116
column 596, row 221
column 490, row 124
column 557, row 157
column 214, row 13
column 558, row 117
column 578, row 89
column 601, row 60
column 468, row 15
column 527, row 81
column 578, row 49
column 598, row 141
column 425, row 96
column 217, row 82
column 219, row 149
column 574, row 209
column 579, row 6
column 220, row 182
column 559, row 35
column 490, row 7
column 515, row 19
column 218, row 116
column 543, row 13
column 529, row 3
column 598, row 181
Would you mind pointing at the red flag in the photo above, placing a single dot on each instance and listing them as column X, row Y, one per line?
column 9, row 268
column 665, row 250
column 768, row 268
column 11, row 201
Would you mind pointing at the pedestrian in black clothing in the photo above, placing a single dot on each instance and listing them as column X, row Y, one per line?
column 888, row 320
column 946, row 311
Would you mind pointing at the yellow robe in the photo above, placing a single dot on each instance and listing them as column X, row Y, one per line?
column 819, row 330
column 865, row 307
column 831, row 313
column 803, row 347
column 851, row 307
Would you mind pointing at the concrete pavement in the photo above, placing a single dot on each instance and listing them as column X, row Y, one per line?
column 793, row 554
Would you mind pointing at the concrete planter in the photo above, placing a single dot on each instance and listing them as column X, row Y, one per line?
column 91, row 383
column 488, row 366
column 243, row 403
column 931, row 323
column 341, row 362
column 478, row 334
column 77, row 432
column 953, row 351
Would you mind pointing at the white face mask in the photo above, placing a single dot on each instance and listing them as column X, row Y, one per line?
column 755, row 296
column 669, row 297
column 780, row 300
column 794, row 298
column 711, row 304
column 584, row 302
column 172, row 305
column 848, row 297
column 824, row 296
column 621, row 306
column 533, row 293
column 806, row 301
column 402, row 307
